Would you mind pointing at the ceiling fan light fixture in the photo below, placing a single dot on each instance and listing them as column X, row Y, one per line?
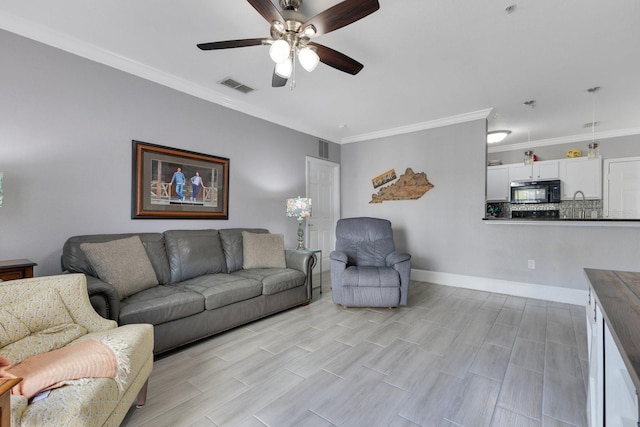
column 308, row 58
column 497, row 136
column 278, row 27
column 284, row 69
column 309, row 31
column 279, row 51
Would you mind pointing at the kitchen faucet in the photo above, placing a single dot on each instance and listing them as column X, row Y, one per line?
column 581, row 213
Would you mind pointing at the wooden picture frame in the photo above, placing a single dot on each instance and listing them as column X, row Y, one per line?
column 159, row 192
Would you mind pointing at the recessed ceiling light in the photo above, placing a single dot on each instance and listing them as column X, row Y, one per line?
column 497, row 136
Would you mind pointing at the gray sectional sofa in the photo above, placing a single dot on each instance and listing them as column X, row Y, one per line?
column 205, row 284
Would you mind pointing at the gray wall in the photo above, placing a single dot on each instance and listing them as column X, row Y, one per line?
column 66, row 126
column 444, row 231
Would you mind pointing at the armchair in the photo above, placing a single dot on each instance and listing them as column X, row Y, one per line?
column 366, row 270
column 50, row 334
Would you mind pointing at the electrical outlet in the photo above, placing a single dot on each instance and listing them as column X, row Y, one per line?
column 531, row 264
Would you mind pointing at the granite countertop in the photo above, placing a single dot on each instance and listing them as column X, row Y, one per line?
column 587, row 220
column 617, row 293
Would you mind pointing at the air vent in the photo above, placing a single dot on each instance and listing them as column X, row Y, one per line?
column 590, row 125
column 323, row 149
column 229, row 82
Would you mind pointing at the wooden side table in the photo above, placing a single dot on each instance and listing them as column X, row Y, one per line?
column 5, row 400
column 16, row 269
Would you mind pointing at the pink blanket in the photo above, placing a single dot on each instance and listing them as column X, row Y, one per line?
column 86, row 359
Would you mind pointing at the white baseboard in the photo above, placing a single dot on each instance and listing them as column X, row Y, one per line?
column 520, row 289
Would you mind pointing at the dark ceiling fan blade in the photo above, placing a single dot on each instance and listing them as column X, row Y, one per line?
column 231, row 44
column 267, row 10
column 277, row 81
column 337, row 60
column 342, row 14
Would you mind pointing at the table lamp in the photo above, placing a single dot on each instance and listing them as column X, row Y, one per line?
column 299, row 208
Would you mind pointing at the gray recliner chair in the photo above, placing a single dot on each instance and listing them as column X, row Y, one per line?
column 366, row 270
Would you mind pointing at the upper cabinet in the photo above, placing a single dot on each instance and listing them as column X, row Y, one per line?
column 577, row 174
column 548, row 169
column 581, row 174
column 498, row 181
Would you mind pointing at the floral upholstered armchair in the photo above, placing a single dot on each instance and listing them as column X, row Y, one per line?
column 77, row 368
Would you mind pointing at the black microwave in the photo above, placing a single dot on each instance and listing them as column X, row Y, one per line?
column 536, row 191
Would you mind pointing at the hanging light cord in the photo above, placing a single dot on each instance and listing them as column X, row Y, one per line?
column 593, row 91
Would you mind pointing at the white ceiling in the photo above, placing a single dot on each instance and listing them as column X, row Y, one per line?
column 426, row 63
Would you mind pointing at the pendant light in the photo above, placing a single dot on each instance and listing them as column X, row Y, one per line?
column 593, row 151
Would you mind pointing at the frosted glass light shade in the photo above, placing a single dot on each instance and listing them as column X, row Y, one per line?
column 284, row 69
column 308, row 58
column 279, row 51
column 497, row 136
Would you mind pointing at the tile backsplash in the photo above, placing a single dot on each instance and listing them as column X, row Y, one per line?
column 568, row 209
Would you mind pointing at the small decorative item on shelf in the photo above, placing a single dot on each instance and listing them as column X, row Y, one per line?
column 528, row 157
column 593, row 150
column 299, row 208
column 574, row 152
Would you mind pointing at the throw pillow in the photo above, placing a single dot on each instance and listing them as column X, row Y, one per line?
column 122, row 263
column 263, row 250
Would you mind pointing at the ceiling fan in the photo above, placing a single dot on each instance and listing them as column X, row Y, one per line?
column 291, row 33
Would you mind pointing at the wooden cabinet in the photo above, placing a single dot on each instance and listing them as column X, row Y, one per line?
column 6, row 384
column 16, row 269
column 548, row 169
column 581, row 174
column 498, row 188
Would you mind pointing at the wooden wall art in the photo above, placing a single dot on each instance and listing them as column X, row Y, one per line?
column 410, row 186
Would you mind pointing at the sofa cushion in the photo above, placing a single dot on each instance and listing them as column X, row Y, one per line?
column 263, row 250
column 232, row 246
column 44, row 309
column 122, row 263
column 223, row 289
column 74, row 259
column 43, row 341
column 160, row 304
column 274, row 280
column 379, row 277
column 12, row 328
column 194, row 253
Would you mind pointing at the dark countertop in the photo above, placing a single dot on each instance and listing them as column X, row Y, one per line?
column 617, row 293
column 602, row 220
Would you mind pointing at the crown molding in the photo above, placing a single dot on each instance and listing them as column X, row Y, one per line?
column 564, row 140
column 446, row 121
column 97, row 54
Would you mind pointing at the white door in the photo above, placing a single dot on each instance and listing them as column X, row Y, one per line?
column 622, row 188
column 323, row 187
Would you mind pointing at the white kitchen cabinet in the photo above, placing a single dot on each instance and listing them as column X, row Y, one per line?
column 581, row 174
column 498, row 183
column 548, row 169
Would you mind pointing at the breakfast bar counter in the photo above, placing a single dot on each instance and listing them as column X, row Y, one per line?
column 614, row 355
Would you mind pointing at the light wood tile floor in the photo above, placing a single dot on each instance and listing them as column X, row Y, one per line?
column 453, row 357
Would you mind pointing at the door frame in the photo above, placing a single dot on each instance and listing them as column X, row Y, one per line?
column 605, row 178
column 335, row 190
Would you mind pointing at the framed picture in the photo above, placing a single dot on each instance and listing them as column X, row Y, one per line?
column 173, row 183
